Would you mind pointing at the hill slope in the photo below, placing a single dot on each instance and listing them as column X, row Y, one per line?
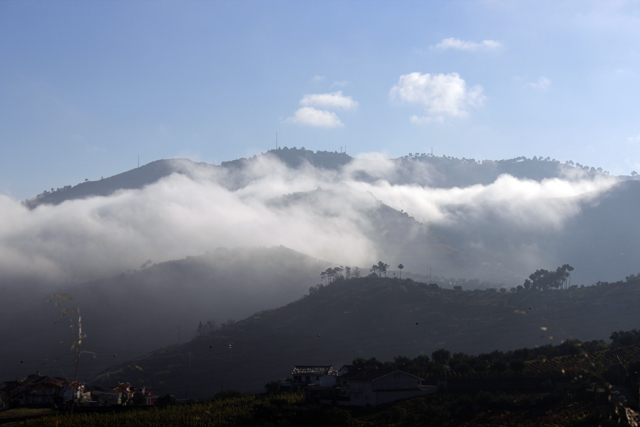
column 138, row 311
column 382, row 318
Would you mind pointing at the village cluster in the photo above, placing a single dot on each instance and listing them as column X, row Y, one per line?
column 42, row 390
column 349, row 386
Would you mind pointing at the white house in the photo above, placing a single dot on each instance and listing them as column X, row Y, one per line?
column 304, row 375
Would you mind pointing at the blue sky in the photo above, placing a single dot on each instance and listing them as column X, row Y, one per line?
column 86, row 87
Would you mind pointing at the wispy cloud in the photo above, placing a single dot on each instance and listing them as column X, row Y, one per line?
column 542, row 83
column 329, row 100
column 440, row 94
column 317, row 79
column 417, row 120
column 634, row 138
column 453, row 43
column 341, row 83
column 309, row 116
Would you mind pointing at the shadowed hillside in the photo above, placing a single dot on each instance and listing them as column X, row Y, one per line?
column 138, row 311
column 382, row 318
column 133, row 179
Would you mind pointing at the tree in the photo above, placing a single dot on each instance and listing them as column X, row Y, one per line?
column 374, row 270
column 166, row 400
column 272, row 387
column 362, row 363
column 441, row 356
column 138, row 399
column 543, row 280
column 331, row 274
column 382, row 268
column 462, row 367
column 400, row 266
column 517, row 365
column 401, row 362
column 499, row 366
column 337, row 273
column 356, row 272
column 323, row 276
column 625, row 338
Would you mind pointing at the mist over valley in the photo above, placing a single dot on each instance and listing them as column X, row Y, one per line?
column 150, row 253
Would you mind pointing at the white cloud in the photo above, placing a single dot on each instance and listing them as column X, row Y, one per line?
column 543, row 83
column 453, row 43
column 329, row 100
column 634, row 138
column 440, row 94
column 317, row 79
column 189, row 214
column 309, row 116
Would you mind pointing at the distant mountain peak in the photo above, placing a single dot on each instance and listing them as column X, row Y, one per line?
column 133, row 179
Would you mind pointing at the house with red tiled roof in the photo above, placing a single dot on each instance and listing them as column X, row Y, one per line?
column 149, row 397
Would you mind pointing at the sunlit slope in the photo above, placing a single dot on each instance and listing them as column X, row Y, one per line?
column 382, row 318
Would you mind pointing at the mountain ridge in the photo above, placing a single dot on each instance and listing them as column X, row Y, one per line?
column 448, row 172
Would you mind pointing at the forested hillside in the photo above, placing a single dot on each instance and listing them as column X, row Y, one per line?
column 382, row 318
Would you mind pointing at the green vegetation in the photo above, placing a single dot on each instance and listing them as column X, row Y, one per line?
column 230, row 409
column 568, row 401
column 382, row 317
column 560, row 405
column 566, row 360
